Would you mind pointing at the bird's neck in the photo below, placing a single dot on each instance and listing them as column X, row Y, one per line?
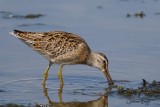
column 91, row 59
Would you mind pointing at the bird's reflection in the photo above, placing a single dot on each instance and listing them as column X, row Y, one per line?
column 100, row 102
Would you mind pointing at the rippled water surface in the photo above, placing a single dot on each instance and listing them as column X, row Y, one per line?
column 127, row 31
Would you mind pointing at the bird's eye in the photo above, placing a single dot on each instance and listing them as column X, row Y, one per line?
column 104, row 62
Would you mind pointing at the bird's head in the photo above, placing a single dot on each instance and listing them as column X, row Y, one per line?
column 100, row 61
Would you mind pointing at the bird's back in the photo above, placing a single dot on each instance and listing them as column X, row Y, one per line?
column 57, row 46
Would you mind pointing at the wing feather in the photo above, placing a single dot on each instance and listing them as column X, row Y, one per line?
column 50, row 44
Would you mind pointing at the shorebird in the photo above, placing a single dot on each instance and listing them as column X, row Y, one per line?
column 63, row 48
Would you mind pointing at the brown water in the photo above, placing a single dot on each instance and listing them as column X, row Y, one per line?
column 132, row 45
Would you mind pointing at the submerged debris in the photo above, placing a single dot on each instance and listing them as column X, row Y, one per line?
column 9, row 15
column 32, row 24
column 12, row 105
column 100, row 7
column 137, row 14
column 146, row 89
column 33, row 16
column 21, row 105
column 2, row 91
column 138, row 93
column 144, row 83
column 157, row 13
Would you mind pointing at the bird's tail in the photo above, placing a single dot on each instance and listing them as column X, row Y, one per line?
column 15, row 33
column 32, row 39
column 28, row 37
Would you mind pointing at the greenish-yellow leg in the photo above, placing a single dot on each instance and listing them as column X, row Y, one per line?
column 46, row 74
column 60, row 74
column 60, row 93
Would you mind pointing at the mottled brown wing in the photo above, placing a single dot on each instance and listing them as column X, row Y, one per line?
column 50, row 44
column 32, row 39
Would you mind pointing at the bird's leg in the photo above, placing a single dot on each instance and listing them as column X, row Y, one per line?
column 60, row 93
column 60, row 74
column 46, row 73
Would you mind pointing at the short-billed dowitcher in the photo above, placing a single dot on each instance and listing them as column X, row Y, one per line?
column 63, row 48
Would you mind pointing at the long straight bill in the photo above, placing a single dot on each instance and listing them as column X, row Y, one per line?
column 108, row 76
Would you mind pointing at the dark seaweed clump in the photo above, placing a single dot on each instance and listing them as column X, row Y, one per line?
column 137, row 14
column 2, row 91
column 18, row 105
column 10, row 15
column 145, row 93
column 12, row 105
column 149, row 89
column 33, row 16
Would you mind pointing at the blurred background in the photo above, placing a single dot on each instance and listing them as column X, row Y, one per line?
column 127, row 31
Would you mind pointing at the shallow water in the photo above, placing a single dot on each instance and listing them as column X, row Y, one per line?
column 131, row 44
